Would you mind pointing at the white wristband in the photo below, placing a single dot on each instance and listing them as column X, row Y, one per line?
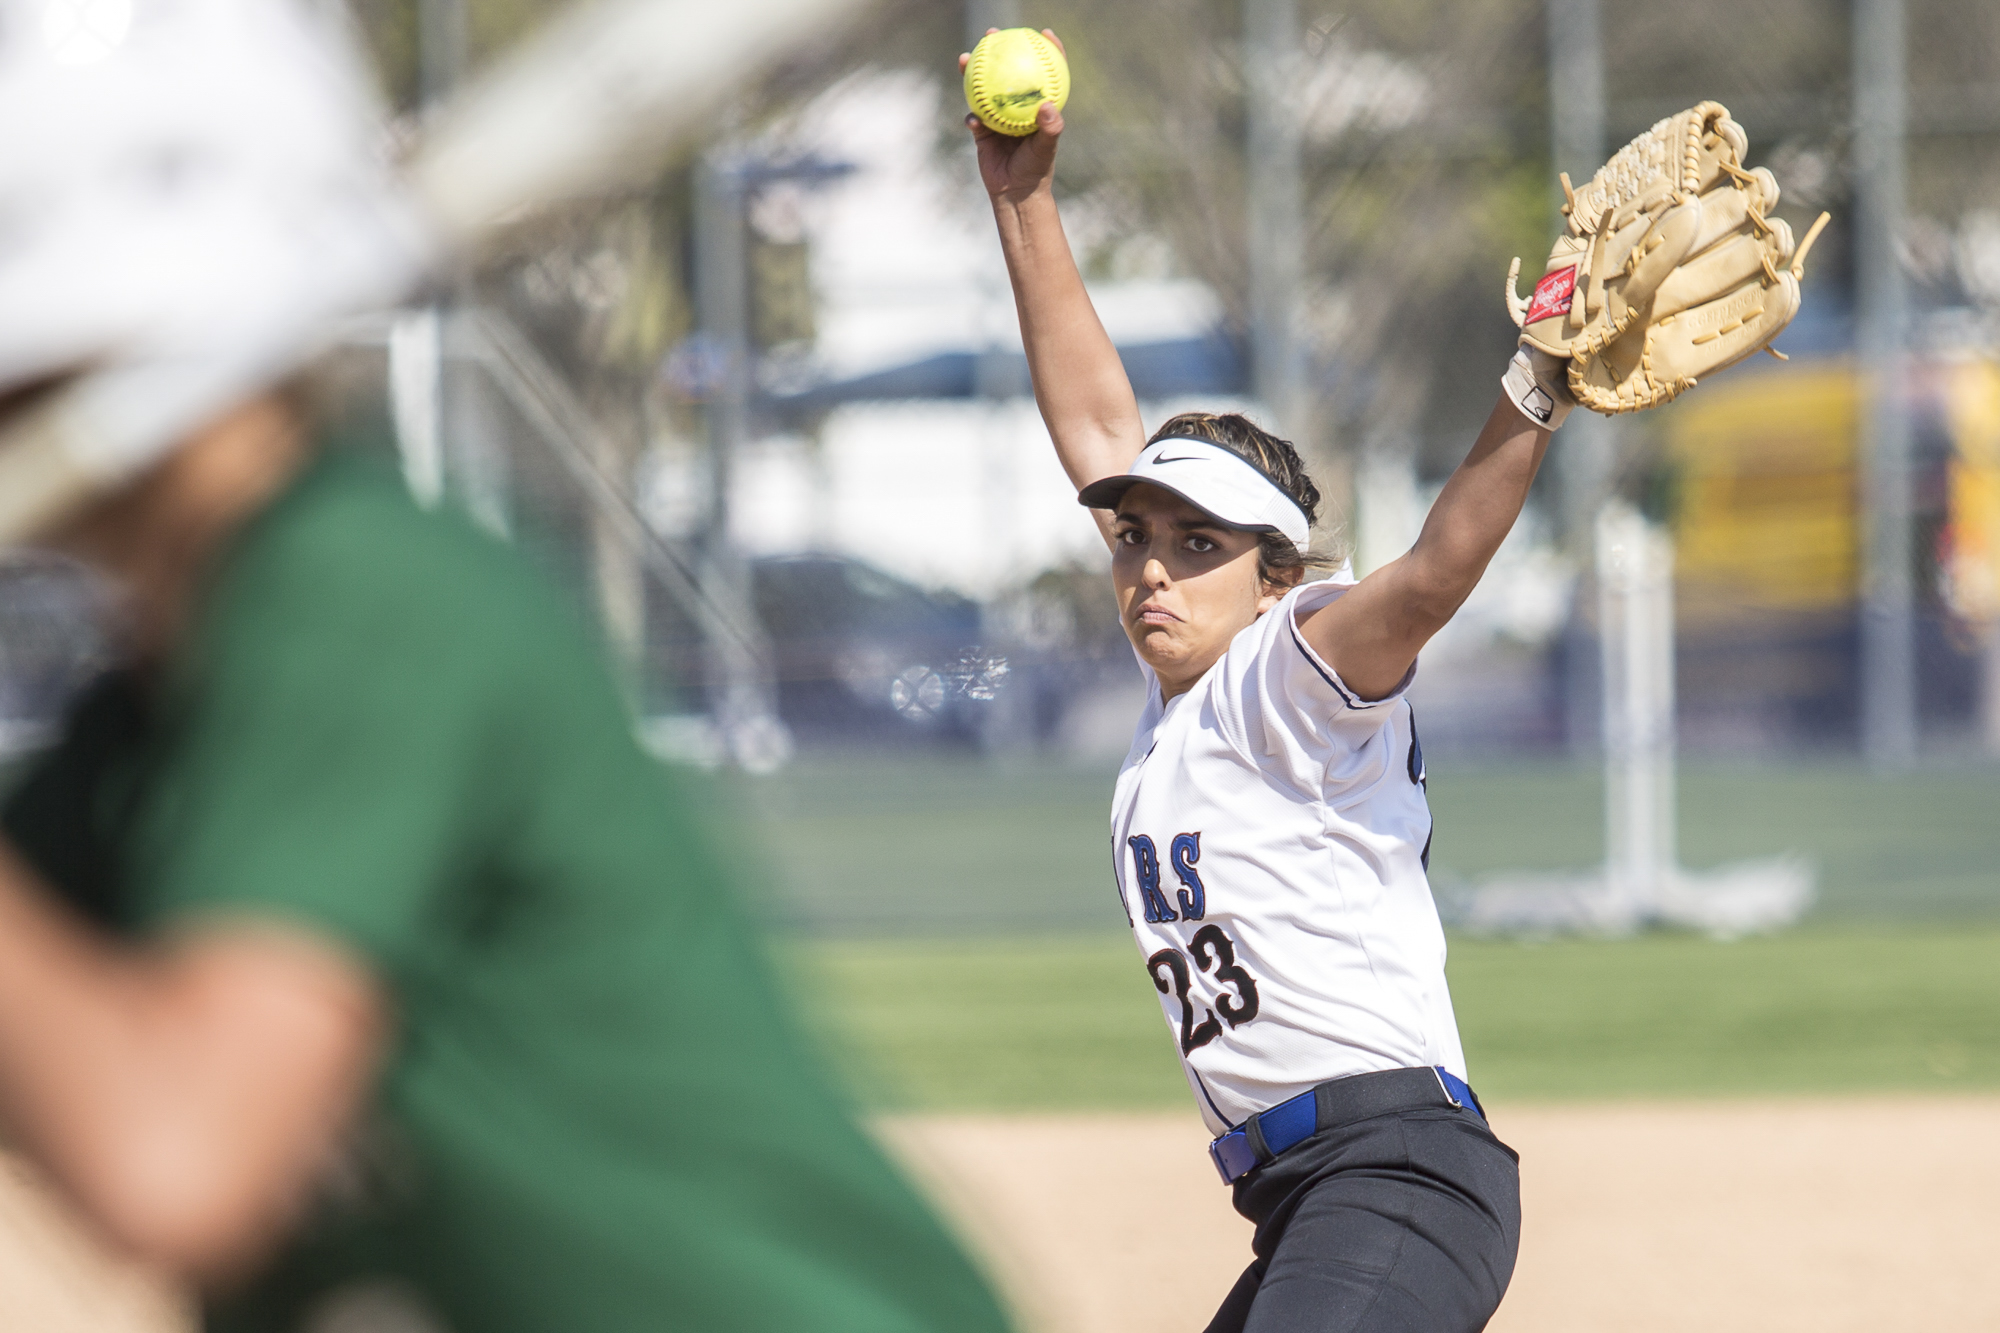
column 1543, row 397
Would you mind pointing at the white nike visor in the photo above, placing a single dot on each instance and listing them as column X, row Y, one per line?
column 1222, row 484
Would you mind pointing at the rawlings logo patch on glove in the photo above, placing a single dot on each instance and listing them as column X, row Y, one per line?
column 1552, row 295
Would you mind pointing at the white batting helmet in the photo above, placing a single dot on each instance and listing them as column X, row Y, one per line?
column 192, row 192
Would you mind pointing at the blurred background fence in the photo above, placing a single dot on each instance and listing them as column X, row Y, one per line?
column 769, row 420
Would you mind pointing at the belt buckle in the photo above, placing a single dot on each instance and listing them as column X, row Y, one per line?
column 1232, row 1154
column 1457, row 1091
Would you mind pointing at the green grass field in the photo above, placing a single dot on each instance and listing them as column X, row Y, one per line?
column 1040, row 1022
column 874, row 845
column 960, row 941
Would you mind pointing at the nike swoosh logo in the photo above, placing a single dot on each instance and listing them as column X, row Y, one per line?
column 1183, row 458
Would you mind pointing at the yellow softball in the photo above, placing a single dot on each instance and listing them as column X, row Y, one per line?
column 1011, row 73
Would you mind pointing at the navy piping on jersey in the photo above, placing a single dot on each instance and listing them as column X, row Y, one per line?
column 1418, row 773
column 1118, row 882
column 1420, row 776
column 1313, row 662
column 1202, row 1083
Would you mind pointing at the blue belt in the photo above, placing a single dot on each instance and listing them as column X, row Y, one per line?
column 1344, row 1100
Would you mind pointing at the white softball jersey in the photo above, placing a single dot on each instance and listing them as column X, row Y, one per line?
column 1271, row 836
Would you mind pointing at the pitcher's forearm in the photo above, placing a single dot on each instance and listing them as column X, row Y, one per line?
column 1080, row 384
column 1475, row 511
column 1373, row 634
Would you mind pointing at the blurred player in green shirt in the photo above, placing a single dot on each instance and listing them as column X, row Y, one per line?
column 355, row 964
column 359, row 861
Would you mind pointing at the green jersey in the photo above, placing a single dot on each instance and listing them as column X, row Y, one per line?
column 596, row 1112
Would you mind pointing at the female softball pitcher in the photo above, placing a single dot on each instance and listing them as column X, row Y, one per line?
column 1269, row 824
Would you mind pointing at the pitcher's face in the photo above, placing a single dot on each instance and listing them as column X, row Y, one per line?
column 1186, row 584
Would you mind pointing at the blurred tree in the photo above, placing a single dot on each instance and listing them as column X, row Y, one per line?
column 1426, row 166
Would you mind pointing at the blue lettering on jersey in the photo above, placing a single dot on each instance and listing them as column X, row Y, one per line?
column 1146, row 863
column 1185, row 852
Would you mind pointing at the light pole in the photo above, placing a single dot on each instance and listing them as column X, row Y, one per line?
column 1577, row 143
column 1631, row 559
column 983, row 14
column 742, row 697
column 738, row 667
column 1275, row 223
column 1583, row 459
column 417, row 339
column 1888, row 620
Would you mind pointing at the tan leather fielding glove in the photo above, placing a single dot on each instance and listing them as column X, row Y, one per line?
column 1670, row 268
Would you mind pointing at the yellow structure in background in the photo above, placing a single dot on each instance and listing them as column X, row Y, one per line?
column 1768, row 514
column 1972, row 541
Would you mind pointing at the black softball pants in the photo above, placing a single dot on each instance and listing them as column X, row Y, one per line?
column 1405, row 1222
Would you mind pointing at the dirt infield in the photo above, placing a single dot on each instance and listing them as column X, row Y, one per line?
column 1828, row 1216
column 1726, row 1217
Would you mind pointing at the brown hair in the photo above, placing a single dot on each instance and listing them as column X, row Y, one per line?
column 1279, row 563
